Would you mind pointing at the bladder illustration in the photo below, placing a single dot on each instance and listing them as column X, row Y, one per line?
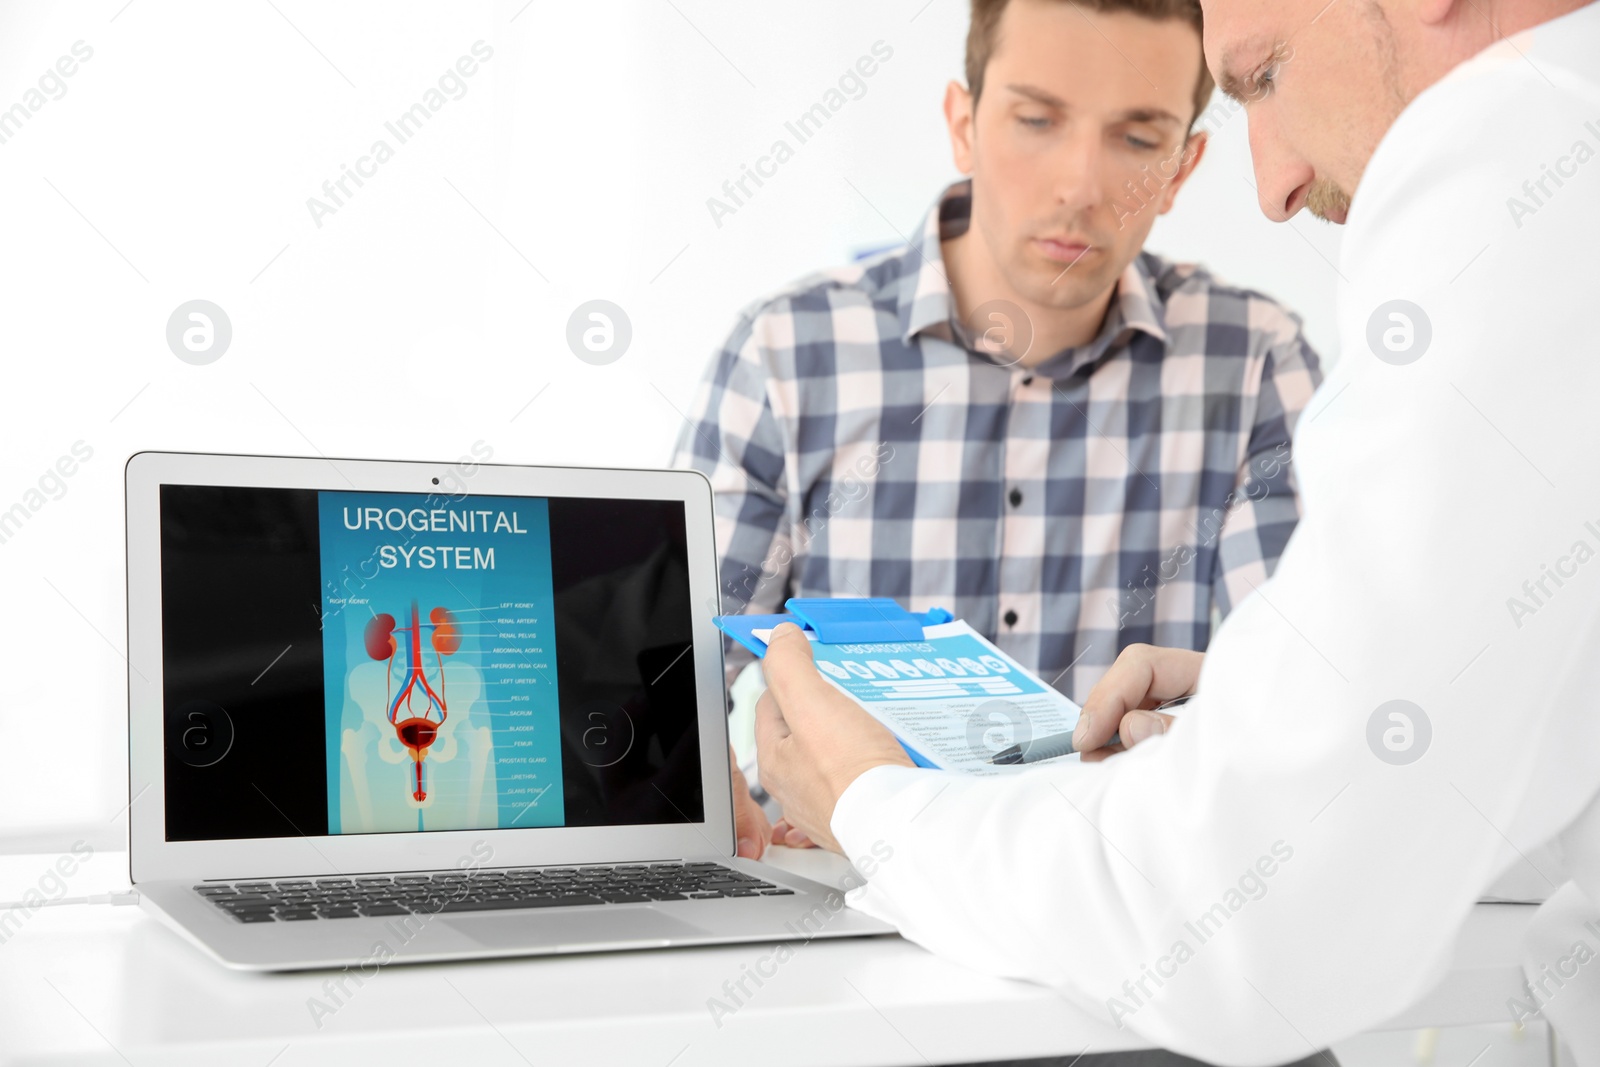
column 415, row 709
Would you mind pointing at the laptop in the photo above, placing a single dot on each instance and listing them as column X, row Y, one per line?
column 393, row 712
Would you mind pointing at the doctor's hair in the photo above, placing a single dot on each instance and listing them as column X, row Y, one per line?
column 985, row 29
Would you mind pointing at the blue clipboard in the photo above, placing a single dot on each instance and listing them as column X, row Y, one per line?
column 841, row 621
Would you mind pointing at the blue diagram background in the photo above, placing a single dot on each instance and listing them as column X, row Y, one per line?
column 517, row 588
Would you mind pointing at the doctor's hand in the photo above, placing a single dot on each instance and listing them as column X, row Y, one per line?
column 812, row 741
column 1142, row 677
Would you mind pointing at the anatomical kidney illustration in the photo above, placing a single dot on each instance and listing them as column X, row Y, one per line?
column 416, row 709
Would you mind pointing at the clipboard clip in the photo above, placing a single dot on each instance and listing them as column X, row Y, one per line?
column 862, row 620
column 867, row 620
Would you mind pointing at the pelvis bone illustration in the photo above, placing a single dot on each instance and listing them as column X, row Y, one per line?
column 416, row 727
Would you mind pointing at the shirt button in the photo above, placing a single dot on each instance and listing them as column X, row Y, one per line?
column 1016, row 498
column 1010, row 617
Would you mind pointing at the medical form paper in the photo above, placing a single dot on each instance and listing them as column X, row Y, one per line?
column 953, row 697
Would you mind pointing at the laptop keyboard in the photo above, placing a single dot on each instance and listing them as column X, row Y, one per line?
column 300, row 899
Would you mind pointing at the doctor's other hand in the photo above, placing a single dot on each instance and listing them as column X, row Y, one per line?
column 812, row 741
column 750, row 827
column 1142, row 677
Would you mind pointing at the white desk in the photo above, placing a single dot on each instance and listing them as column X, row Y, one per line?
column 128, row 991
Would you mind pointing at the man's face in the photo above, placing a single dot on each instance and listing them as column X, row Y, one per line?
column 1321, row 84
column 1076, row 145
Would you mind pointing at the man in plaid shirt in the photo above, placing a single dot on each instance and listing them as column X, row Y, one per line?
column 1021, row 416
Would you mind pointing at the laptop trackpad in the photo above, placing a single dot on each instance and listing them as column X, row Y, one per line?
column 578, row 929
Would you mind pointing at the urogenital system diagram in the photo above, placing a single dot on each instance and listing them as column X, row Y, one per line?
column 417, row 710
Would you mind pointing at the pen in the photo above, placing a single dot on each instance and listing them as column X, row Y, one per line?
column 1061, row 744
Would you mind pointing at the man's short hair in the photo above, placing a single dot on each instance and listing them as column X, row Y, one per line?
column 986, row 25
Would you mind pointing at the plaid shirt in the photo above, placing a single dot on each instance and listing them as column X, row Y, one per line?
column 858, row 445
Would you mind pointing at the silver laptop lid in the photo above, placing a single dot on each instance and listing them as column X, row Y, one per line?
column 344, row 666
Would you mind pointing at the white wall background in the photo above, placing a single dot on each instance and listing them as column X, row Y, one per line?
column 429, row 312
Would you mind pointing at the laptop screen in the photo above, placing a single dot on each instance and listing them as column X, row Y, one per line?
column 361, row 662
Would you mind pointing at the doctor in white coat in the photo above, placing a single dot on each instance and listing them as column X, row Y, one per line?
column 1411, row 705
